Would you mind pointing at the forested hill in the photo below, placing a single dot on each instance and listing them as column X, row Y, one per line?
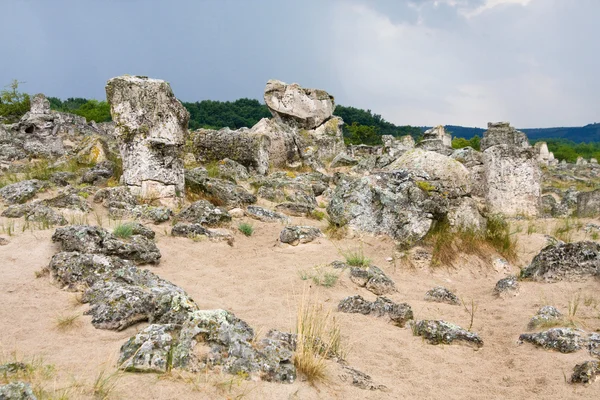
column 588, row 133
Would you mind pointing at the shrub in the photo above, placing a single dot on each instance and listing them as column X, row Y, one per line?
column 123, row 231
column 497, row 234
column 246, row 228
column 356, row 258
column 13, row 104
column 318, row 215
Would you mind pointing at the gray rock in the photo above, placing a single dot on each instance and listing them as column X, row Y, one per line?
column 442, row 332
column 295, row 235
column 68, row 198
column 373, row 279
column 195, row 230
column 343, row 160
column 586, row 372
column 93, row 239
column 115, row 197
column 17, row 391
column 436, row 139
column 565, row 340
column 232, row 170
column 382, row 306
column 62, row 178
column 20, row 192
column 293, row 105
column 221, row 192
column 508, row 286
column 594, row 345
column 545, row 316
column 295, row 209
column 359, row 379
column 150, row 350
column 98, row 173
column 565, row 261
column 588, row 204
column 265, row 215
column 473, row 161
column 440, row 294
column 248, row 148
column 501, row 133
column 151, row 125
column 35, row 211
column 203, row 212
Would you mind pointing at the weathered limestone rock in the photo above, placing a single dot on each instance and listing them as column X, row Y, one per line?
column 398, row 313
column 35, row 212
column 543, row 154
column 148, row 351
column 249, row 148
column 265, row 215
column 473, row 161
column 565, row 340
column 152, row 128
column 96, row 240
column 512, row 173
column 203, row 212
column 440, row 294
column 17, row 391
column 395, row 147
column 383, row 203
column 220, row 191
column 506, row 287
column 502, row 133
column 20, row 192
column 295, row 235
column 343, row 160
column 565, row 261
column 296, row 106
column 373, row 279
column 98, row 173
column 586, row 372
column 588, row 204
column 437, row 140
column 442, row 332
column 545, row 315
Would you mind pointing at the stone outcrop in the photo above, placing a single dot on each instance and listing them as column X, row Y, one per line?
column 546, row 315
column 588, row 204
column 565, row 261
column 473, row 161
column 151, row 125
column 395, row 147
column 436, row 139
column 512, row 173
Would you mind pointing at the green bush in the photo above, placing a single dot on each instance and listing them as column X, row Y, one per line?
column 123, row 231
column 13, row 104
column 246, row 228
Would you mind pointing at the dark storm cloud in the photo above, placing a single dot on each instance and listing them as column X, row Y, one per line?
column 421, row 62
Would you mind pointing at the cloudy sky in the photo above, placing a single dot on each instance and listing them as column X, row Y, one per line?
column 535, row 63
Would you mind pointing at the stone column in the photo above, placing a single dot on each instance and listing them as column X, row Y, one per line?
column 151, row 125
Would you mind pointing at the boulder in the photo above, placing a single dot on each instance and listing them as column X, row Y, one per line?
column 440, row 294
column 295, row 235
column 193, row 231
column 96, row 240
column 203, row 212
column 20, row 192
column 295, row 209
column 512, row 173
column 565, row 340
column 343, row 160
column 442, row 332
column 545, row 316
column 507, row 287
column 395, row 147
column 437, row 140
column 151, row 125
column 588, row 204
column 249, row 148
column 565, row 261
column 296, row 106
column 221, row 192
column 98, row 173
column 373, row 279
column 399, row 314
column 148, row 351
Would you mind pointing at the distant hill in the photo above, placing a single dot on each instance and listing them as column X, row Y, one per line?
column 588, row 133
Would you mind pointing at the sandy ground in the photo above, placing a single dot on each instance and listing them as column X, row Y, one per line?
column 260, row 281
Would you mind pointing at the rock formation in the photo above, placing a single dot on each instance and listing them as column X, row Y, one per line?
column 511, row 170
column 436, row 139
column 151, row 127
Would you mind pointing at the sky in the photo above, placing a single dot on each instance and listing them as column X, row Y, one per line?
column 535, row 63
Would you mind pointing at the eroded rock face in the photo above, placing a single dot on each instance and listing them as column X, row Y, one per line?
column 565, row 261
column 511, row 172
column 294, row 105
column 473, row 161
column 151, row 125
column 204, row 212
column 442, row 332
column 265, row 215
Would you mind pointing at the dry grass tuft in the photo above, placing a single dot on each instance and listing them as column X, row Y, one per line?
column 67, row 322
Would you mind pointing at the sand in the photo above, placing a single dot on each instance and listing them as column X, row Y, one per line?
column 260, row 281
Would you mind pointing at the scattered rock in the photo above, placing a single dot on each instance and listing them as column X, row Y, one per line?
column 373, row 279
column 442, row 332
column 398, row 313
column 565, row 340
column 203, row 212
column 295, row 235
column 565, row 261
column 20, row 192
column 545, row 316
column 586, row 372
column 440, row 294
column 506, row 287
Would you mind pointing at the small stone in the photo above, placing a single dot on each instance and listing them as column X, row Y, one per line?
column 506, row 287
column 442, row 332
column 398, row 313
column 359, row 379
column 440, row 294
column 17, row 391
